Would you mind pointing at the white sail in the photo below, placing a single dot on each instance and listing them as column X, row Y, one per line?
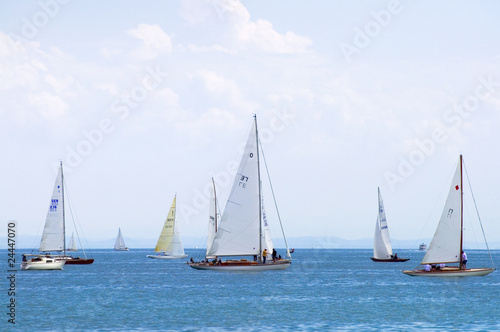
column 72, row 244
column 212, row 221
column 53, row 232
column 267, row 240
column 445, row 245
column 119, row 243
column 382, row 248
column 177, row 246
column 170, row 240
column 238, row 232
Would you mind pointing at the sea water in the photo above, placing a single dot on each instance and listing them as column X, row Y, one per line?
column 340, row 290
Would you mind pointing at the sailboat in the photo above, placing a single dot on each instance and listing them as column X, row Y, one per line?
column 382, row 248
column 72, row 244
column 169, row 245
column 54, row 235
column 446, row 245
column 243, row 226
column 119, row 243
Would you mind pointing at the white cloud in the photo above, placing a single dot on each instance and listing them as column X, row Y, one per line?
column 155, row 41
column 202, row 49
column 260, row 36
column 244, row 34
column 109, row 53
column 212, row 122
column 50, row 106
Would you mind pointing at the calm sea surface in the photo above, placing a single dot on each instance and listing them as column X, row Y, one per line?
column 322, row 290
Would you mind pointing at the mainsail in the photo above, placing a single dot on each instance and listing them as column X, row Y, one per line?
column 267, row 240
column 212, row 221
column 238, row 233
column 446, row 243
column 53, row 232
column 119, row 243
column 170, row 240
column 382, row 248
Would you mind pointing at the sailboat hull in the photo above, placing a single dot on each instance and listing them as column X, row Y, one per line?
column 43, row 263
column 79, row 261
column 450, row 272
column 389, row 260
column 166, row 256
column 243, row 265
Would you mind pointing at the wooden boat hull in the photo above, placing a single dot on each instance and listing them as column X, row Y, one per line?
column 243, row 265
column 166, row 256
column 450, row 272
column 79, row 261
column 389, row 260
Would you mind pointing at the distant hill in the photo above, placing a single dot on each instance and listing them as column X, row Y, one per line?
column 319, row 242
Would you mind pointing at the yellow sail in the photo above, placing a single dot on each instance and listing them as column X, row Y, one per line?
column 167, row 233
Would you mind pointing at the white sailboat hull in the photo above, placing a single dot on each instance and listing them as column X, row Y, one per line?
column 450, row 272
column 43, row 263
column 243, row 266
column 126, row 249
column 167, row 256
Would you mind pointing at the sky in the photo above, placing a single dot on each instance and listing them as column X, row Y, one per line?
column 142, row 101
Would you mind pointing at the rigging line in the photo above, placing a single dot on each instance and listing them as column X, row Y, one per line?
column 274, row 198
column 477, row 211
column 75, row 223
column 470, row 224
column 415, row 244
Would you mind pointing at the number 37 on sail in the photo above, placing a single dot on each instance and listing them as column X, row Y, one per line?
column 243, row 229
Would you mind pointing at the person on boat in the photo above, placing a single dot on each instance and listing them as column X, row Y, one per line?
column 279, row 257
column 264, row 256
column 254, row 258
column 275, row 254
column 428, row 267
column 442, row 266
column 24, row 258
column 219, row 262
column 464, row 260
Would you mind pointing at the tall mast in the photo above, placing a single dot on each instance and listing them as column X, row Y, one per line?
column 215, row 205
column 64, row 220
column 461, row 213
column 260, row 194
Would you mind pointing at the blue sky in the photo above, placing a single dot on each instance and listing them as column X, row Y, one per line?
column 143, row 100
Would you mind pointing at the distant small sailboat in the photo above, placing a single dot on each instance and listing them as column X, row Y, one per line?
column 54, row 235
column 72, row 244
column 119, row 243
column 446, row 245
column 243, row 229
column 169, row 245
column 382, row 248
